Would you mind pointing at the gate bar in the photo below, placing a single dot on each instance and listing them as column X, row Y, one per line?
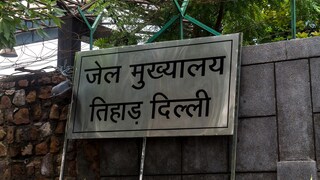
column 293, row 19
column 143, row 155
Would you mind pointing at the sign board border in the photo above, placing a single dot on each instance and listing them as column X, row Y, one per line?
column 235, row 41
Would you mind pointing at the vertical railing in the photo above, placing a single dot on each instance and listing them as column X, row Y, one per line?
column 293, row 18
column 181, row 16
column 91, row 28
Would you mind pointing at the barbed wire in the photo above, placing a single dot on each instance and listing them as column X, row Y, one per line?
column 34, row 56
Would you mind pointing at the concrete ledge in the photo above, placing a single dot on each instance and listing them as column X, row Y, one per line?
column 280, row 51
column 264, row 53
column 303, row 48
column 302, row 170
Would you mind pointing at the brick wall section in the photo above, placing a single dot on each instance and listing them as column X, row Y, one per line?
column 278, row 133
column 32, row 127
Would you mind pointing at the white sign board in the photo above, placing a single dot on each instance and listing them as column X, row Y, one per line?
column 176, row 88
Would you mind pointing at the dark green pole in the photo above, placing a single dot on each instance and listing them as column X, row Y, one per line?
column 181, row 28
column 293, row 19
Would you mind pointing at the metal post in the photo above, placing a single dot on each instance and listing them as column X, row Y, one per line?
column 293, row 19
column 65, row 147
column 235, row 129
column 200, row 24
column 182, row 15
column 63, row 159
column 234, row 150
column 91, row 40
column 91, row 28
column 165, row 27
column 143, row 155
column 181, row 27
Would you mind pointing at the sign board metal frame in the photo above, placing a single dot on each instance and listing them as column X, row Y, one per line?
column 174, row 52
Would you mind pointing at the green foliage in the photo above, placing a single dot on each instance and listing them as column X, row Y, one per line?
column 260, row 21
column 302, row 35
column 126, row 16
column 271, row 21
column 117, row 39
column 13, row 13
column 7, row 38
column 315, row 33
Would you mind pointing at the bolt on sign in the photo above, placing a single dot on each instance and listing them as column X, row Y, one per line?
column 175, row 88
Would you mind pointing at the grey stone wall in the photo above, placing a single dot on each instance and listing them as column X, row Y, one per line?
column 278, row 133
column 279, row 100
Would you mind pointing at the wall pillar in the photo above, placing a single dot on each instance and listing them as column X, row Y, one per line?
column 69, row 40
column 295, row 124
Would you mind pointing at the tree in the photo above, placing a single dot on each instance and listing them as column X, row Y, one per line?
column 136, row 20
column 260, row 20
column 271, row 21
column 13, row 14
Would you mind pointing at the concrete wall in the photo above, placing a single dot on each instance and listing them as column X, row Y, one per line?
column 278, row 134
column 279, row 109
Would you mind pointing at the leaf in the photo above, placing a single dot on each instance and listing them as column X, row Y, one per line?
column 57, row 21
column 316, row 33
column 42, row 33
column 302, row 35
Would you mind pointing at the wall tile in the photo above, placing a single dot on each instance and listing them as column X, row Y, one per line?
column 257, row 96
column 315, row 82
column 163, row 156
column 263, row 53
column 294, row 111
column 257, row 148
column 205, row 154
column 120, row 157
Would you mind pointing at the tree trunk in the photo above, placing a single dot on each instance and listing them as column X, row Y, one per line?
column 218, row 25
